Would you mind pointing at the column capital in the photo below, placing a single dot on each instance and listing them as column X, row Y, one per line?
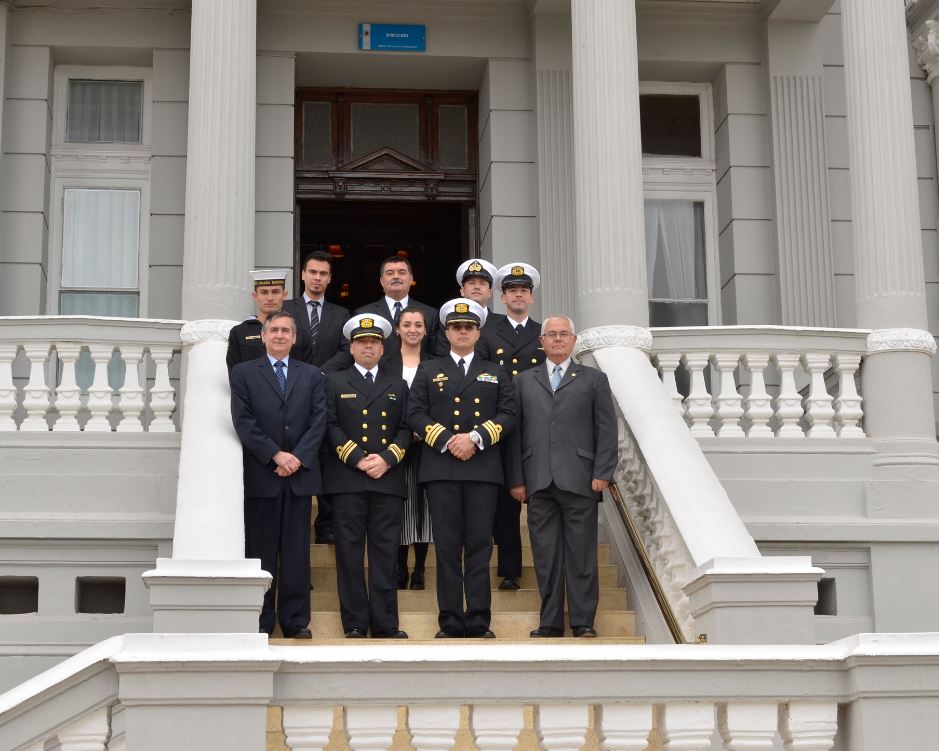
column 601, row 337
column 926, row 46
column 901, row 340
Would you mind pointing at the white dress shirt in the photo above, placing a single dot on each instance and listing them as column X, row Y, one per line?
column 391, row 305
column 363, row 371
column 550, row 366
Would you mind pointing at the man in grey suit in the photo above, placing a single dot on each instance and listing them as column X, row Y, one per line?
column 563, row 455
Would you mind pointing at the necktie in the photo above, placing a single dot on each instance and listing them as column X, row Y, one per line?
column 281, row 377
column 518, row 329
column 462, row 366
column 397, row 311
column 555, row 377
column 368, row 377
column 314, row 321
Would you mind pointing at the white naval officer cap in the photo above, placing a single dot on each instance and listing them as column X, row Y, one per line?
column 475, row 267
column 366, row 324
column 463, row 310
column 269, row 277
column 518, row 273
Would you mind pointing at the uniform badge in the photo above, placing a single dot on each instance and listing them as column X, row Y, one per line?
column 475, row 266
column 500, row 351
column 518, row 271
column 487, row 378
column 348, row 396
column 461, row 307
column 392, row 397
column 366, row 323
column 256, row 336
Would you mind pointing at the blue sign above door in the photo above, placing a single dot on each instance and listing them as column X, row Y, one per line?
column 393, row 36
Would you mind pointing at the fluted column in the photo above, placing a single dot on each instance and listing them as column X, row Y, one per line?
column 889, row 275
column 611, row 260
column 208, row 585
column 219, row 228
column 554, row 118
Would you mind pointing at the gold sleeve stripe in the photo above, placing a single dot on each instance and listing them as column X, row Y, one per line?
column 432, row 433
column 340, row 449
column 494, row 430
column 397, row 451
column 347, row 448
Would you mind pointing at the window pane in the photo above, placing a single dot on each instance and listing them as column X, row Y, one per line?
column 104, row 111
column 671, row 125
column 376, row 126
column 101, row 232
column 453, row 136
column 675, row 251
column 317, row 134
column 110, row 304
column 678, row 313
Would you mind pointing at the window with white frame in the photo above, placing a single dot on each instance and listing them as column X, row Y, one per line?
column 101, row 187
column 680, row 203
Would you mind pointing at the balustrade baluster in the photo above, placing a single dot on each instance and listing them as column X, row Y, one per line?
column 758, row 406
column 90, row 733
column 848, row 411
column 307, row 728
column 728, row 405
column 669, row 362
column 624, row 727
column 561, row 727
column 371, row 728
column 808, row 726
column 7, row 388
column 433, row 728
column 788, row 403
column 748, row 726
column 68, row 394
column 818, row 413
column 162, row 394
column 100, row 394
column 496, row 727
column 36, row 393
column 686, row 726
column 131, row 402
column 700, row 405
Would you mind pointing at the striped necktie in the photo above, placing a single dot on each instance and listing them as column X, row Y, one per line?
column 314, row 320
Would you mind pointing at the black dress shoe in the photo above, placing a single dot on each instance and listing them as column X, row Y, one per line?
column 417, row 579
column 547, row 631
column 480, row 633
column 586, row 632
column 355, row 633
column 447, row 634
column 391, row 634
column 297, row 633
column 509, row 584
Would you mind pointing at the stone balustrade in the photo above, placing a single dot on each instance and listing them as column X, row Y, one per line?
column 188, row 692
column 81, row 373
column 764, row 381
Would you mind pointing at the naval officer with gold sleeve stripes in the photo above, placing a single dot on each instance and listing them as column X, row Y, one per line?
column 367, row 438
column 462, row 406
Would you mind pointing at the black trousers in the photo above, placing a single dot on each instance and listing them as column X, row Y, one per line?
column 277, row 530
column 461, row 514
column 563, row 529
column 507, row 535
column 323, row 525
column 372, row 520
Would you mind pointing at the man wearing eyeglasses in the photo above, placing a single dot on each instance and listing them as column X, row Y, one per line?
column 563, row 453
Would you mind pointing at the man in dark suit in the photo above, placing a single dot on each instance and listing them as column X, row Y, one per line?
column 512, row 340
column 278, row 408
column 396, row 279
column 367, row 437
column 563, row 457
column 322, row 323
column 462, row 406
column 244, row 340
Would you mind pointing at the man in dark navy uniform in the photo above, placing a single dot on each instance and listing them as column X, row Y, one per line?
column 244, row 340
column 462, row 406
column 475, row 277
column 367, row 437
column 514, row 341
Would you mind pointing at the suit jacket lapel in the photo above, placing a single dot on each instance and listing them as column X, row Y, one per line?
column 475, row 368
column 531, row 331
column 541, row 375
column 293, row 375
column 267, row 372
column 358, row 382
column 569, row 375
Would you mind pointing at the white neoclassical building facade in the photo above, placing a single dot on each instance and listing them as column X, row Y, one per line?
column 736, row 200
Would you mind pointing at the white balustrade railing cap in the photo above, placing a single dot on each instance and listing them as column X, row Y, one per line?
column 89, row 330
column 767, row 339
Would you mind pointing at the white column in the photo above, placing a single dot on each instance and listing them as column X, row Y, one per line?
column 611, row 260
column 218, row 248
column 208, row 585
column 889, row 275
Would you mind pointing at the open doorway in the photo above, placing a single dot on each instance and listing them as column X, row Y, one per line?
column 360, row 234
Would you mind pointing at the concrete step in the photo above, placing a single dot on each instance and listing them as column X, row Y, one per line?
column 324, row 578
column 325, row 555
column 514, row 626
column 467, row 643
column 425, row 601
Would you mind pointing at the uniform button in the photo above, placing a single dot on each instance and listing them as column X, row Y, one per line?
column 456, row 399
column 383, row 441
column 514, row 372
column 456, row 412
column 501, row 363
column 364, row 439
column 476, row 400
column 534, row 361
column 384, row 427
column 514, row 361
column 476, row 414
column 364, row 411
column 364, row 426
column 456, row 427
column 384, row 414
